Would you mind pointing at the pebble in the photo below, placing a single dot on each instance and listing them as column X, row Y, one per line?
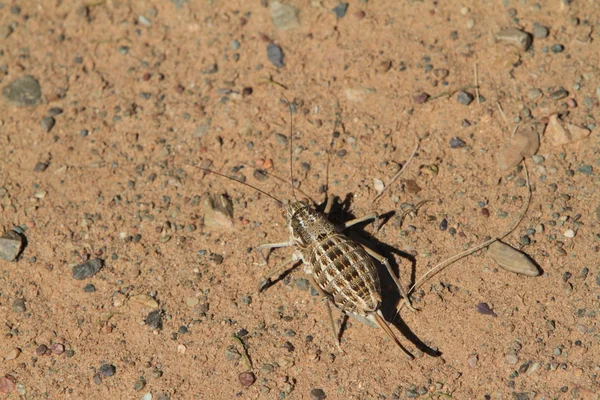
column 19, row 306
column 107, row 370
column 444, row 224
column 260, row 175
column 585, row 169
column 557, row 48
column 41, row 350
column 13, row 354
column 340, row 10
column 472, row 361
column 54, row 111
column 317, row 394
column 22, row 92
column 421, row 98
column 559, row 94
column 539, row 31
column 57, row 348
column 515, row 37
column 47, row 124
column 465, row 98
column 11, row 244
column 147, row 396
column 87, row 269
column 7, row 385
column 512, row 359
column 154, row 319
column 247, row 379
column 281, row 139
column 534, row 93
column 570, row 233
column 457, row 143
column 275, row 55
column 284, row 16
column 218, row 211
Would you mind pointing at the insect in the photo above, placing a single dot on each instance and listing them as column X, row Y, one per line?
column 342, row 270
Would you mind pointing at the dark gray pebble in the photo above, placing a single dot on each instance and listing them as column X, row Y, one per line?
column 89, row 288
column 557, row 48
column 559, row 94
column 465, row 98
column 11, row 244
column 341, row 153
column 444, row 224
column 260, row 175
column 340, row 10
column 54, row 111
column 23, row 91
column 48, row 123
column 107, row 369
column 154, row 319
column 317, row 394
column 40, row 167
column 484, row 308
column 525, row 240
column 84, row 133
column 19, row 306
column 87, row 269
column 585, row 169
column 457, row 143
column 302, row 283
column 275, row 55
column 281, row 139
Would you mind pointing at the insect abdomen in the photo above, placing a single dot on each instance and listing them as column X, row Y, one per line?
column 342, row 268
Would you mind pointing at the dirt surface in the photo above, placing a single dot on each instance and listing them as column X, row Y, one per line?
column 147, row 87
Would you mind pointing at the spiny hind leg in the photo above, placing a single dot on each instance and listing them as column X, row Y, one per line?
column 383, row 260
column 326, row 301
column 271, row 246
column 329, row 204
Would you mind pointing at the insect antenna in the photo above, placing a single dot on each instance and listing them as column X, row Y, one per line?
column 236, row 180
column 291, row 146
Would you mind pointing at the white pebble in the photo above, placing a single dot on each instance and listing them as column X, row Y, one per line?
column 147, row 396
column 570, row 233
column 378, row 185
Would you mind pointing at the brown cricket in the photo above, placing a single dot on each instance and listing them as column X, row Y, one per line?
column 340, row 269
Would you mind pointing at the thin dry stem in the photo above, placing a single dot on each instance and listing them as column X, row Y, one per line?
column 477, row 84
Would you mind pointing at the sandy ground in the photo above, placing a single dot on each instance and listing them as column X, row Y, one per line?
column 94, row 166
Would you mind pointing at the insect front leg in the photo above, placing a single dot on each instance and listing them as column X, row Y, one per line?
column 374, row 217
column 383, row 260
column 271, row 246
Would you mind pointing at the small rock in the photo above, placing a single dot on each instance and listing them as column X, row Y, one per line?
column 512, row 359
column 378, row 185
column 89, row 288
column 54, row 111
column 260, row 175
column 218, row 211
column 232, row 354
column 534, row 93
column 570, row 233
column 284, row 16
column 211, row 69
column 515, row 37
column 511, row 259
column 523, row 144
column 586, row 169
column 539, row 31
column 13, row 354
column 57, row 348
column 41, row 350
column 559, row 94
column 484, row 308
column 154, row 319
column 441, row 73
column 557, row 48
column 457, row 143
column 421, row 98
column 317, row 394
column 11, row 244
column 275, row 55
column 87, row 269
column 107, row 370
column 19, row 306
column 559, row 135
column 47, row 124
column 22, row 92
column 144, row 300
column 5, row 31
column 147, row 396
column 40, row 167
column 7, row 385
column 465, row 98
column 340, row 10
column 247, row 379
column 472, row 361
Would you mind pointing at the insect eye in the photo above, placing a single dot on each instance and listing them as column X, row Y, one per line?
column 283, row 214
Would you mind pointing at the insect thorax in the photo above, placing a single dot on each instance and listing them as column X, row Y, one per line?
column 307, row 225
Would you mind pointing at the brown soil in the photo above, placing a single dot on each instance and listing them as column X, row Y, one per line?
column 152, row 100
